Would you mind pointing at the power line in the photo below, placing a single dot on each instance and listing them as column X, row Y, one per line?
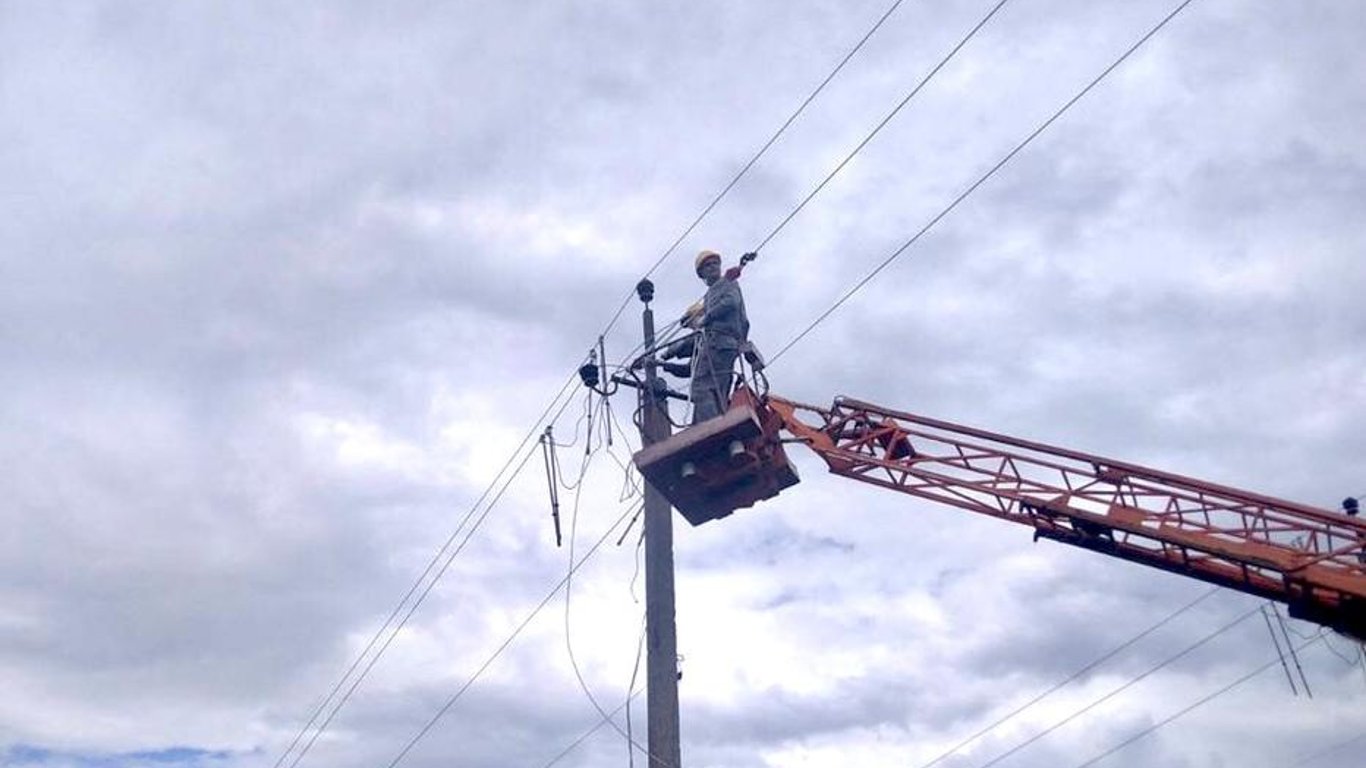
column 435, row 573
column 1188, row 709
column 920, row 85
column 441, row 712
column 1106, row 657
column 982, row 180
column 322, row 727
column 635, row 671
column 762, row 150
column 568, row 598
column 632, row 693
column 1121, row 689
column 584, row 737
column 611, row 323
column 1306, row 760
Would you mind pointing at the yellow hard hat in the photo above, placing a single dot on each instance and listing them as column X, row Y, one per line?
column 702, row 259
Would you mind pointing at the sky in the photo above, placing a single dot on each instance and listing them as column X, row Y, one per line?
column 285, row 285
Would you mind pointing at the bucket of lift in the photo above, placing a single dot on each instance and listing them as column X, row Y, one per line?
column 711, row 469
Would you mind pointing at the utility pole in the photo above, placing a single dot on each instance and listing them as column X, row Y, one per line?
column 660, row 630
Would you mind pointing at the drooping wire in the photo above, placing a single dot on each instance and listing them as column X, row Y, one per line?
column 568, row 601
column 1186, row 710
column 754, row 159
column 589, row 450
column 1151, row 670
column 432, row 568
column 878, row 128
column 981, row 180
column 584, row 737
column 635, row 574
column 1075, row 675
column 635, row 672
column 517, row 631
column 1351, row 660
column 578, row 424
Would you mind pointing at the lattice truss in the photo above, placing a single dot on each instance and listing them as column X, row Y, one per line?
column 1312, row 559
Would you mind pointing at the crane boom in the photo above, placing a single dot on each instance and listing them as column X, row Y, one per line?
column 1311, row 559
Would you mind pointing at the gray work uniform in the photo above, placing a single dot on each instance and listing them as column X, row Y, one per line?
column 725, row 328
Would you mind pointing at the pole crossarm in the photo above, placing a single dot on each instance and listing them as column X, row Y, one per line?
column 1312, row 559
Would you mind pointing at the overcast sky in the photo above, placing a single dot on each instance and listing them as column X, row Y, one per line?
column 284, row 285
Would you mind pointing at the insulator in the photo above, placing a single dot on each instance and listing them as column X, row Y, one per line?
column 588, row 373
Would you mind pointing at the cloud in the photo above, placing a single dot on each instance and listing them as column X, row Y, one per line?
column 285, row 286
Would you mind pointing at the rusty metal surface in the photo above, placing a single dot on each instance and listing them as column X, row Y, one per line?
column 1310, row 558
column 719, row 482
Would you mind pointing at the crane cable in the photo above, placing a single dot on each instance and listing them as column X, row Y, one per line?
column 878, row 128
column 1201, row 702
column 432, row 568
column 1075, row 675
column 982, row 179
column 754, row 159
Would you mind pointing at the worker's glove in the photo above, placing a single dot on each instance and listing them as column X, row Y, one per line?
column 692, row 318
column 681, row 370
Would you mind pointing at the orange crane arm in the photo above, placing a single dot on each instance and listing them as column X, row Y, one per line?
column 1314, row 560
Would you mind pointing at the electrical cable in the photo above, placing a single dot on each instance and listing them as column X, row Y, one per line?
column 568, row 633
column 1169, row 660
column 619, row 311
column 1276, row 643
column 1327, row 643
column 588, row 453
column 635, row 672
column 981, row 180
column 1326, row 752
column 747, row 166
column 914, row 91
column 1190, row 708
column 446, row 707
column 1056, row 686
column 581, row 739
column 577, row 425
column 611, row 323
column 322, row 727
column 417, row 583
column 1290, row 648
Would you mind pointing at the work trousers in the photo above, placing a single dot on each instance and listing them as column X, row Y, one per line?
column 712, row 377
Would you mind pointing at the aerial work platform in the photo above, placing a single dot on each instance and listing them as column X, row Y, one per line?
column 711, row 469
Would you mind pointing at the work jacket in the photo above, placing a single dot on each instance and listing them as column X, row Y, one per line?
column 724, row 322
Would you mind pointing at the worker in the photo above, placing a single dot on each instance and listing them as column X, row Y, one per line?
column 723, row 329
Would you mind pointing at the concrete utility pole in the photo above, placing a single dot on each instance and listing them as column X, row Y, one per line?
column 661, row 633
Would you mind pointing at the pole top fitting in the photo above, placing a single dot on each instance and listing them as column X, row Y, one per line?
column 645, row 290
